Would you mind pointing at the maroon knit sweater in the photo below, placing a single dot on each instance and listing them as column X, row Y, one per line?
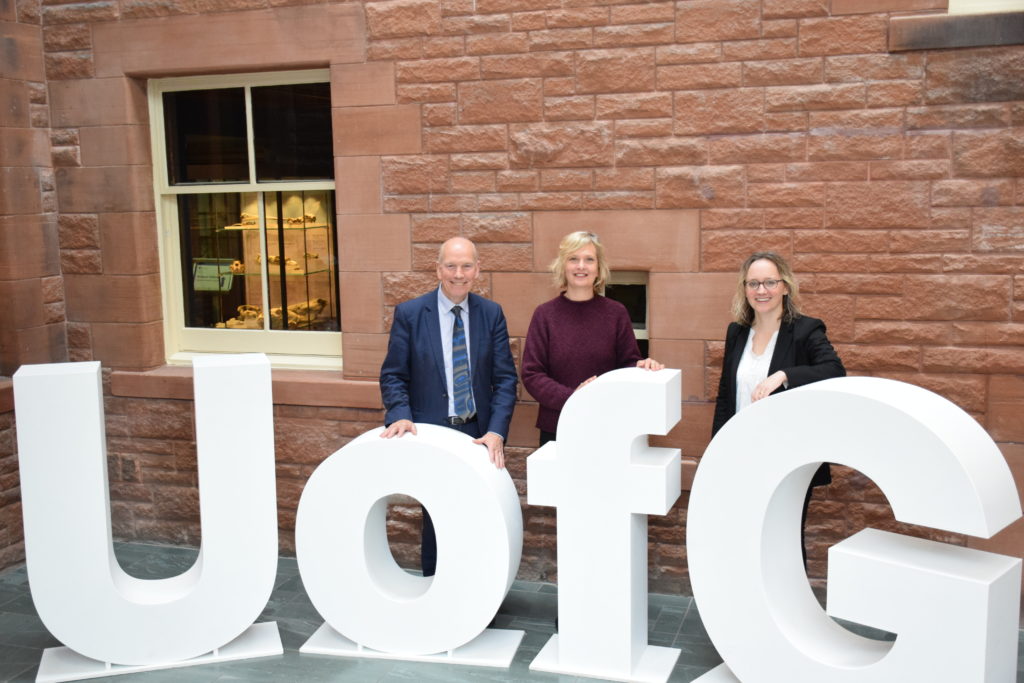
column 570, row 341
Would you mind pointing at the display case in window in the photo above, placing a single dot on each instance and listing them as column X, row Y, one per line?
column 274, row 269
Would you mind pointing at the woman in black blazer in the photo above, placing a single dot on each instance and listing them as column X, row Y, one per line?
column 771, row 347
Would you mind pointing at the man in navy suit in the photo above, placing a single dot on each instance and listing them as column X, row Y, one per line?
column 418, row 374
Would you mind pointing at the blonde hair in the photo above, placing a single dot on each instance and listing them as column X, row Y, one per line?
column 571, row 243
column 741, row 310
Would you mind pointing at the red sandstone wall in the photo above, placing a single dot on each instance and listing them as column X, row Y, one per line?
column 893, row 181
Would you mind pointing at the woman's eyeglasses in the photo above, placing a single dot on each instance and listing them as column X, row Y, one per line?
column 754, row 285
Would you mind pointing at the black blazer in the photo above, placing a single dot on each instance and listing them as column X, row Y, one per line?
column 802, row 350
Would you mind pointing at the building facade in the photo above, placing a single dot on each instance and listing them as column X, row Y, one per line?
column 158, row 154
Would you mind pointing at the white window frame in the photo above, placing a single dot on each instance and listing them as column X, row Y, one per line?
column 984, row 6
column 286, row 348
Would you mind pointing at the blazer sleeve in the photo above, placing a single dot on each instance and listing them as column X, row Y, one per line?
column 395, row 372
column 503, row 377
column 815, row 358
column 725, row 402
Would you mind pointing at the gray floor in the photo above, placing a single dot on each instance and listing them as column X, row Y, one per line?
column 673, row 621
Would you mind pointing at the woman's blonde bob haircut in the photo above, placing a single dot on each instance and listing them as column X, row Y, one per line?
column 571, row 243
column 741, row 310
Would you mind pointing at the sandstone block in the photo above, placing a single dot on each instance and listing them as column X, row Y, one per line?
column 776, row 9
column 768, row 48
column 782, row 72
column 660, row 152
column 688, row 53
column 472, row 181
column 880, row 204
column 988, row 154
column 561, row 39
column 468, row 138
column 498, row 227
column 414, row 174
column 972, row 192
column 812, row 97
column 844, row 35
column 497, row 44
column 438, row 70
column 998, row 229
column 976, row 75
column 718, row 20
column 565, row 179
column 569, row 108
column 700, row 76
column 469, row 162
column 500, row 101
column 625, row 179
column 895, row 94
column 403, row 18
column 785, row 194
column 640, row 14
column 724, row 250
column 876, row 67
column 920, row 241
column 555, row 145
column 752, row 149
column 739, row 110
column 643, row 128
column 546, row 64
column 634, row 106
column 623, row 70
column 551, row 201
column 518, row 181
column 634, row 35
column 827, row 171
column 699, row 186
column 958, row 116
column 913, row 169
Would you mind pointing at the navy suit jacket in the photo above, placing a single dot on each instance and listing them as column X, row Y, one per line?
column 802, row 350
column 412, row 378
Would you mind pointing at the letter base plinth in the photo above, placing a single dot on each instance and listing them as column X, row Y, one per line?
column 64, row 664
column 495, row 647
column 655, row 665
column 720, row 674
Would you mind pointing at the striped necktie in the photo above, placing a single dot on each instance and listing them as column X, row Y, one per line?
column 462, row 389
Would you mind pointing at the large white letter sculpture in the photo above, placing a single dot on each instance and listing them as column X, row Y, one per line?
column 954, row 610
column 604, row 479
column 81, row 593
column 373, row 607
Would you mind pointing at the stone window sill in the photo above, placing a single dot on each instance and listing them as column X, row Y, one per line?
column 941, row 31
column 321, row 388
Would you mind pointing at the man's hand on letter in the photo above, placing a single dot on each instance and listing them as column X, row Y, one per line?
column 495, row 448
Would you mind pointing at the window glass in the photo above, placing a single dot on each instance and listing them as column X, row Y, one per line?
column 292, row 132
column 205, row 136
column 234, row 254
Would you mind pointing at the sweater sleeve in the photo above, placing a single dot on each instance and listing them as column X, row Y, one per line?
column 627, row 351
column 536, row 366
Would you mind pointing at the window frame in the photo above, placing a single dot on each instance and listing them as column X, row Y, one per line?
column 286, row 348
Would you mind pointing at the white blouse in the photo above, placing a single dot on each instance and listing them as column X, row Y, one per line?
column 752, row 370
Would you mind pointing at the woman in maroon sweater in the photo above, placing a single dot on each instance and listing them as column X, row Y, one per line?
column 579, row 334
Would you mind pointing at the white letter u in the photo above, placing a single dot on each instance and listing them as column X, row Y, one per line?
column 81, row 593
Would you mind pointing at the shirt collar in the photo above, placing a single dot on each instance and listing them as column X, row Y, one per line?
column 445, row 304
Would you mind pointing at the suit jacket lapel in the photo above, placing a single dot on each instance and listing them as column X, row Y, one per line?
column 734, row 362
column 433, row 327
column 783, row 354
column 476, row 332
